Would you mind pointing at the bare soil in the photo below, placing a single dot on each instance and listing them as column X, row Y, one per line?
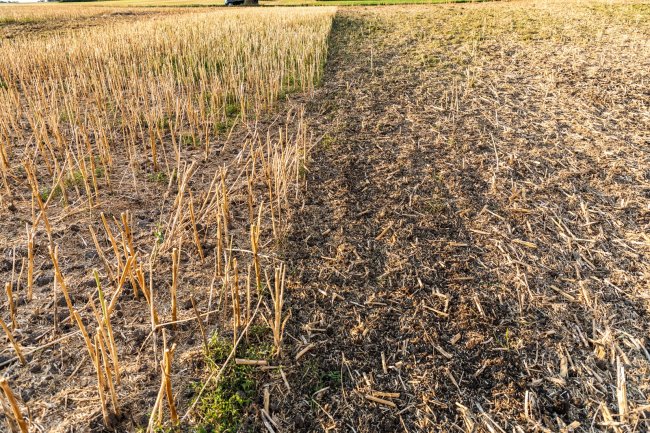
column 474, row 234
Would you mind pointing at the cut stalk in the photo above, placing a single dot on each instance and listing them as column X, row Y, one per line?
column 255, row 239
column 107, row 266
column 234, row 291
column 175, row 262
column 100, row 380
column 116, row 250
column 13, row 403
column 219, row 250
column 107, row 369
column 201, row 328
column 86, row 337
column 13, row 342
column 167, row 368
column 277, row 296
column 197, row 239
column 106, row 321
column 54, row 255
column 30, row 262
column 12, row 306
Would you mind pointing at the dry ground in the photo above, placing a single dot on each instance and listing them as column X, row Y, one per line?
column 474, row 235
column 57, row 387
column 471, row 245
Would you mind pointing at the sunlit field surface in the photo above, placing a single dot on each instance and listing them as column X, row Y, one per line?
column 126, row 147
column 420, row 218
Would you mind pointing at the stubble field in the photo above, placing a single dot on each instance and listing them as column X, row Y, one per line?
column 405, row 218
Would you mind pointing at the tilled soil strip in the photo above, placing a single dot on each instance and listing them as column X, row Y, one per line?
column 444, row 276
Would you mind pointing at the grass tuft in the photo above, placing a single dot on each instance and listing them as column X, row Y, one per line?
column 223, row 407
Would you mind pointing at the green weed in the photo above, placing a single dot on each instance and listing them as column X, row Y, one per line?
column 48, row 192
column 159, row 177
column 231, row 110
column 159, row 234
column 221, row 409
column 327, row 141
column 189, row 140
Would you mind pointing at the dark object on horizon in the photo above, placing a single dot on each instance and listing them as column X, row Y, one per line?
column 241, row 2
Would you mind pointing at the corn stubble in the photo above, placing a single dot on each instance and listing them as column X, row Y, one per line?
column 87, row 116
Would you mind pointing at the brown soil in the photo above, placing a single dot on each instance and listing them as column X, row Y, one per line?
column 476, row 215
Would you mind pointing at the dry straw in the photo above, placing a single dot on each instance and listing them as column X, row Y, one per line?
column 278, row 321
column 127, row 103
column 172, row 77
column 13, row 404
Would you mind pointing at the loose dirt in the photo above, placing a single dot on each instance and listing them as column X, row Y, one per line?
column 473, row 239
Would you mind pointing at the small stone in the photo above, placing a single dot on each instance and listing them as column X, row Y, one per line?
column 44, row 279
column 142, row 420
column 26, row 395
column 5, row 265
column 143, row 224
column 20, row 301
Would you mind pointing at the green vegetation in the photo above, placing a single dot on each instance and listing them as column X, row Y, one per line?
column 327, row 142
column 189, row 140
column 159, row 233
column 222, row 407
column 48, row 192
column 232, row 110
column 159, row 177
column 319, row 377
column 72, row 180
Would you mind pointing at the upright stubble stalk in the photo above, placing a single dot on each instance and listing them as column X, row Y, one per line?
column 30, row 262
column 13, row 403
column 236, row 310
column 175, row 263
column 106, row 319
